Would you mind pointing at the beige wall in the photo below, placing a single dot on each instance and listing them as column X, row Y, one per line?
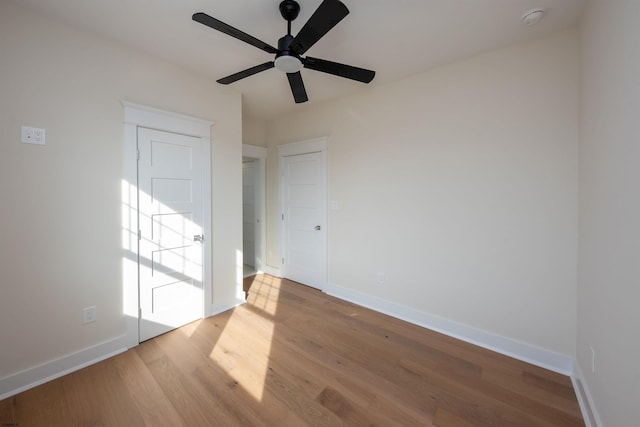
column 254, row 131
column 460, row 184
column 60, row 207
column 609, row 239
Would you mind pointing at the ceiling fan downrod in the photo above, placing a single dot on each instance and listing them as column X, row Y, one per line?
column 286, row 60
column 289, row 10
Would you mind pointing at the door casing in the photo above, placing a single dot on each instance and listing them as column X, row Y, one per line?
column 136, row 115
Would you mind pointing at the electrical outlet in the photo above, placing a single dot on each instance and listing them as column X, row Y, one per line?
column 593, row 360
column 31, row 135
column 381, row 277
column 38, row 136
column 89, row 315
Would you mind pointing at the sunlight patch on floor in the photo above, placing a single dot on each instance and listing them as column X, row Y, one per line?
column 264, row 297
column 190, row 329
column 247, row 362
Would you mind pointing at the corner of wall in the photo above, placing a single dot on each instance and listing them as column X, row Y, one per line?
column 585, row 400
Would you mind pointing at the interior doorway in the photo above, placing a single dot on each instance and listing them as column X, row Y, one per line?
column 253, row 209
column 303, row 200
column 166, row 220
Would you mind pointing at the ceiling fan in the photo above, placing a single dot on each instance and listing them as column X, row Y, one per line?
column 288, row 55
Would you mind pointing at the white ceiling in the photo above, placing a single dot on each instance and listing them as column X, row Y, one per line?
column 395, row 38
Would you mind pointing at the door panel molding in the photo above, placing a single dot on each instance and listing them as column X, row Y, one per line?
column 136, row 116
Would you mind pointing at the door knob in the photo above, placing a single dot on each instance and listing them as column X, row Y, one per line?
column 317, row 227
column 198, row 238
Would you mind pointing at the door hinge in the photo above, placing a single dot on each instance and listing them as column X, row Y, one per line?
column 137, row 154
column 283, row 217
column 282, row 261
column 140, row 313
column 139, row 234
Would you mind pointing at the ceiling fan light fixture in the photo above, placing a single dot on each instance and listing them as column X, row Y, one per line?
column 288, row 64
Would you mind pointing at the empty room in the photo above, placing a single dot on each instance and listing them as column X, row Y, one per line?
column 319, row 212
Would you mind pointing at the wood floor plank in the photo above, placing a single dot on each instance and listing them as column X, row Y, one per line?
column 289, row 355
column 146, row 394
column 8, row 412
column 445, row 418
column 508, row 407
column 350, row 412
column 216, row 380
column 41, row 405
column 517, row 383
column 193, row 407
column 293, row 356
column 96, row 395
column 212, row 379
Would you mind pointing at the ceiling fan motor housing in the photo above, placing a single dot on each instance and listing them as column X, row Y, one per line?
column 286, row 60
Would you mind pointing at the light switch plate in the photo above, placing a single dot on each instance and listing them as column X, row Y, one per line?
column 31, row 135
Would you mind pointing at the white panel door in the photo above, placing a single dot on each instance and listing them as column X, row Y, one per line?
column 170, row 221
column 304, row 219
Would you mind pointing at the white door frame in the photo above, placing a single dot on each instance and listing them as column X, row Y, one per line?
column 135, row 116
column 317, row 145
column 260, row 156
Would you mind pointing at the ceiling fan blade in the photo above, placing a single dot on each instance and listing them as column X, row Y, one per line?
column 337, row 69
column 209, row 21
column 297, row 87
column 246, row 73
column 326, row 16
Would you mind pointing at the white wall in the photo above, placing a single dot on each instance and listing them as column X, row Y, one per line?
column 609, row 238
column 60, row 230
column 460, row 184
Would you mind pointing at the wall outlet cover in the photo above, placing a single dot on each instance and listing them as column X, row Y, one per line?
column 31, row 135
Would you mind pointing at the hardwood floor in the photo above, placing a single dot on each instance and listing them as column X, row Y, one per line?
column 293, row 356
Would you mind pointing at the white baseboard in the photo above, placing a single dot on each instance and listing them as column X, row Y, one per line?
column 222, row 306
column 32, row 377
column 556, row 362
column 40, row 374
column 29, row 378
column 585, row 400
column 272, row 271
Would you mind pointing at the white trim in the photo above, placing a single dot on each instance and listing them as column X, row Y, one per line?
column 316, row 145
column 207, row 254
column 254, row 152
column 273, row 271
column 556, row 362
column 303, row 147
column 153, row 118
column 222, row 306
column 40, row 374
column 585, row 400
column 130, row 296
column 135, row 116
column 260, row 155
